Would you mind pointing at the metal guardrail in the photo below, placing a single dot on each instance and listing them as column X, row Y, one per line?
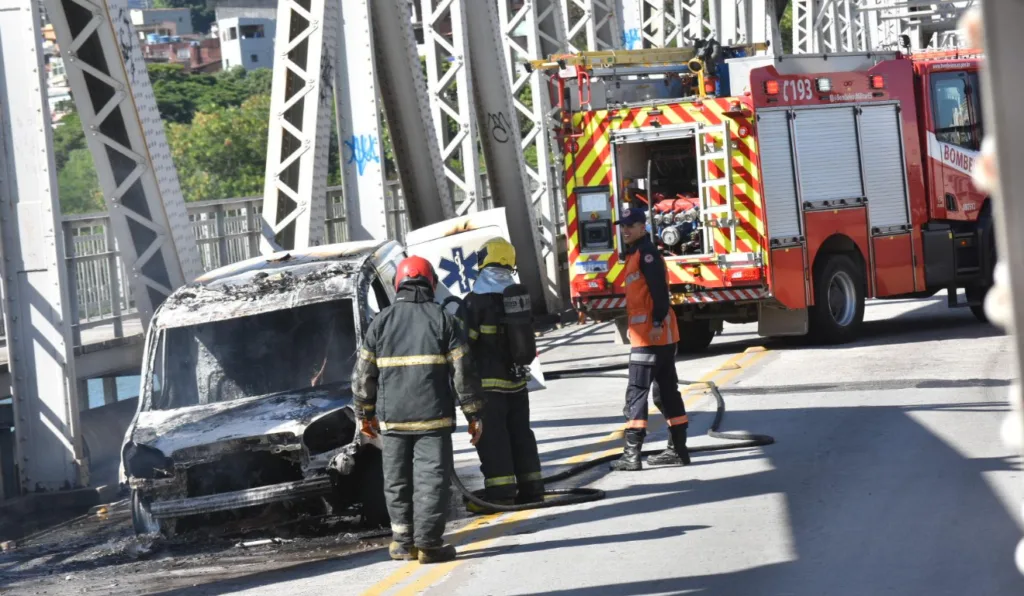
column 227, row 231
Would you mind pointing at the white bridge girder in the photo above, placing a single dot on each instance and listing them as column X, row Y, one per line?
column 37, row 313
column 125, row 134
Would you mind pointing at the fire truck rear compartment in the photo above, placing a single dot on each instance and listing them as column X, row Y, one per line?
column 674, row 189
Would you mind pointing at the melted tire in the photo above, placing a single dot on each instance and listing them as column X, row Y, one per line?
column 838, row 311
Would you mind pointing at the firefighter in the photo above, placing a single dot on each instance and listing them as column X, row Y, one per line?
column 502, row 344
column 652, row 337
column 413, row 356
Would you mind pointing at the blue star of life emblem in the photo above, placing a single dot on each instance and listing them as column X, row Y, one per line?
column 459, row 269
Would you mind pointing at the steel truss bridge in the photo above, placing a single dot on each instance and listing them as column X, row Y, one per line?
column 79, row 290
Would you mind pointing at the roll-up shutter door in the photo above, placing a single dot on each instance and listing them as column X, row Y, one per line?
column 826, row 147
column 777, row 172
column 883, row 166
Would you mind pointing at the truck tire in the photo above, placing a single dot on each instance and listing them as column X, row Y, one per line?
column 838, row 310
column 695, row 336
column 369, row 475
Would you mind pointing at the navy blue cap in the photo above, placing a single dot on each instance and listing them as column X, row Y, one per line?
column 633, row 215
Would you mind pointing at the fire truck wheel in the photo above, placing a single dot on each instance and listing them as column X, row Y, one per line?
column 838, row 309
column 695, row 336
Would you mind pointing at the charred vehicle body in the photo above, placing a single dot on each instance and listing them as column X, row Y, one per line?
column 245, row 402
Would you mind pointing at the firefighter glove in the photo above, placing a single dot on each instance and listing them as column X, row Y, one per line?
column 370, row 427
column 476, row 428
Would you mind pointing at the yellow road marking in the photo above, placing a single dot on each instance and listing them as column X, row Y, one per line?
column 442, row 569
column 413, row 566
column 504, row 522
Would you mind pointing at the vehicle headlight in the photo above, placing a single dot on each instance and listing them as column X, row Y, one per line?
column 671, row 236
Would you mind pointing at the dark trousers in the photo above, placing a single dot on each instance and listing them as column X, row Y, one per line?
column 653, row 366
column 417, row 487
column 508, row 449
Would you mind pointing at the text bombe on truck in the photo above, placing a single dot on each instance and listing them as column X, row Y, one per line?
column 784, row 190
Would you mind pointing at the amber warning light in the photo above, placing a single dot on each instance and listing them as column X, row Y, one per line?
column 877, row 82
column 771, row 87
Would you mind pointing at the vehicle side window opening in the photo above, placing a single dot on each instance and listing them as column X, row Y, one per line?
column 957, row 109
column 377, row 298
column 277, row 351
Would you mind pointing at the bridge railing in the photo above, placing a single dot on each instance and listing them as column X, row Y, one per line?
column 227, row 231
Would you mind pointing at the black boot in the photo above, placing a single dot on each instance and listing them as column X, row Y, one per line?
column 668, row 457
column 677, row 441
column 630, row 460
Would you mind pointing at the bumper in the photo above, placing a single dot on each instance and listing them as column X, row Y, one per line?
column 263, row 495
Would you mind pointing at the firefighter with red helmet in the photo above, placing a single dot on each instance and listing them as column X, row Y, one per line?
column 653, row 334
column 413, row 356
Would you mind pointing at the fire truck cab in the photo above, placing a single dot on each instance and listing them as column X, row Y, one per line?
column 781, row 189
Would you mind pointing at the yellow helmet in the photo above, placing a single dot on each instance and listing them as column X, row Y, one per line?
column 497, row 251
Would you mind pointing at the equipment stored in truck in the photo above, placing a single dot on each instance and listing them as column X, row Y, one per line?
column 780, row 189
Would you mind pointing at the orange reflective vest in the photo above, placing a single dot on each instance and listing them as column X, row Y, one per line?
column 640, row 306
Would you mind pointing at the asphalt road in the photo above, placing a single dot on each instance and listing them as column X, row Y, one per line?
column 888, row 477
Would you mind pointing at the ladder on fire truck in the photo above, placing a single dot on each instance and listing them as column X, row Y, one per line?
column 715, row 212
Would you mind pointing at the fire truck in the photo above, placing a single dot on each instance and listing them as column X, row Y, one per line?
column 781, row 189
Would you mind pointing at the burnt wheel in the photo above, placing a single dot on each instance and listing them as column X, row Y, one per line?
column 695, row 336
column 838, row 310
column 369, row 476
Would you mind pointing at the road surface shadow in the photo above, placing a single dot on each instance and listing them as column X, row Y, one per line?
column 881, row 506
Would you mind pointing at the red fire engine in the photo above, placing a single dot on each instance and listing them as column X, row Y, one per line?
column 784, row 190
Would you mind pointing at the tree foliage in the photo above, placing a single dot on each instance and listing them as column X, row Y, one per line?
column 223, row 152
column 182, row 98
column 79, row 187
column 180, row 95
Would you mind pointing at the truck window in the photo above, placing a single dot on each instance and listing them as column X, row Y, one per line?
column 956, row 109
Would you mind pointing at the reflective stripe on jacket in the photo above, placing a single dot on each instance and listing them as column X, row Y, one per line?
column 646, row 295
column 489, row 344
column 413, row 355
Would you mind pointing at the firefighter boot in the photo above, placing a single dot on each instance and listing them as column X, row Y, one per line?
column 668, row 457
column 400, row 552
column 439, row 554
column 630, row 460
column 678, row 442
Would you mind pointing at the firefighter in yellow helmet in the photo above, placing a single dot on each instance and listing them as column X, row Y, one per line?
column 500, row 328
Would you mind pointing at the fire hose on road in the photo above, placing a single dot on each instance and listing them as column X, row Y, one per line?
column 569, row 496
column 556, row 497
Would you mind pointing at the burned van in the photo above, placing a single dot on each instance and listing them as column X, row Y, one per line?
column 245, row 407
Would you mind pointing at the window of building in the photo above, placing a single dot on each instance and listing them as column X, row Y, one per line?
column 232, row 33
column 957, row 110
column 254, row 58
column 252, row 31
column 227, row 63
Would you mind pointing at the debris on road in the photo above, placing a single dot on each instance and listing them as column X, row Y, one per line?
column 262, row 542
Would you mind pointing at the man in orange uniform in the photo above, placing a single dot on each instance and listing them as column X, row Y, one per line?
column 652, row 337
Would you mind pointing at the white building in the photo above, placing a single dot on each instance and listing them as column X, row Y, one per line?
column 247, row 42
column 169, row 21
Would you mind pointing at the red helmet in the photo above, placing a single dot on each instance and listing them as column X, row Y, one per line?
column 411, row 267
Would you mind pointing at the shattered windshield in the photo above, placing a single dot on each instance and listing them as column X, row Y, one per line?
column 267, row 353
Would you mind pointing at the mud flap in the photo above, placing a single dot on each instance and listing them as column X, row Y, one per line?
column 451, row 247
column 775, row 320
